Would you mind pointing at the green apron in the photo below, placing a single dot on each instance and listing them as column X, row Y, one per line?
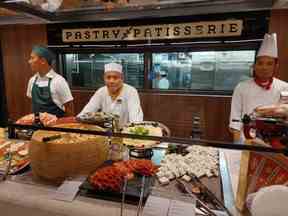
column 42, row 100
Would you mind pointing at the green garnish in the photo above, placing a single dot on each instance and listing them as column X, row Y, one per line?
column 139, row 131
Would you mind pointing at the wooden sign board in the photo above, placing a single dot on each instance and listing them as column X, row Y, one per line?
column 155, row 32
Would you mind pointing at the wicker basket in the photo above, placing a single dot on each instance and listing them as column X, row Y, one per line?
column 70, row 155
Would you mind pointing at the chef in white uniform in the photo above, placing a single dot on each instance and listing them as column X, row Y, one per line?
column 263, row 89
column 116, row 97
column 163, row 82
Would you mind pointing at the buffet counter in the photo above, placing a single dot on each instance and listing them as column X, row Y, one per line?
column 27, row 198
column 34, row 200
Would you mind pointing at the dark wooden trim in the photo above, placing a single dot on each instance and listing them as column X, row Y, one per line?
column 23, row 7
column 278, row 24
column 212, row 93
column 147, row 69
column 167, row 47
column 3, row 102
column 250, row 15
column 160, row 11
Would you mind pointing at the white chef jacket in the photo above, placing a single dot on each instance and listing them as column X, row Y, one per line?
column 163, row 83
column 248, row 95
column 126, row 105
column 60, row 91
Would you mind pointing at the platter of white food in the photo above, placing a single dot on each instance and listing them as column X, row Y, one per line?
column 199, row 161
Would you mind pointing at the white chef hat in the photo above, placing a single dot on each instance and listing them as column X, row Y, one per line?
column 51, row 5
column 113, row 67
column 270, row 200
column 269, row 46
column 163, row 72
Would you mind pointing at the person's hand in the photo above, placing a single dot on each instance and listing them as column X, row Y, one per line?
column 258, row 141
column 279, row 110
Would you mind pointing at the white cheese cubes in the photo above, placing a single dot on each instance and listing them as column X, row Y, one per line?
column 199, row 161
column 163, row 180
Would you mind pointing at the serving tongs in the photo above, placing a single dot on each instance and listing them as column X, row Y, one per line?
column 204, row 208
column 124, row 188
column 139, row 207
column 211, row 195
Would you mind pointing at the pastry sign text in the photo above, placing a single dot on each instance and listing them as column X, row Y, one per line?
column 205, row 29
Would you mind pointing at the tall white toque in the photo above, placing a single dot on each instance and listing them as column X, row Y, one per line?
column 113, row 67
column 269, row 46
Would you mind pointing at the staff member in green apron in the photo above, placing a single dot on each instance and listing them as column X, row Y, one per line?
column 48, row 90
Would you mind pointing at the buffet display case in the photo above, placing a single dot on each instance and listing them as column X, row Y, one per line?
column 207, row 191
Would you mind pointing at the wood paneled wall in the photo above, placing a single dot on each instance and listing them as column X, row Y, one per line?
column 177, row 112
column 279, row 25
column 17, row 41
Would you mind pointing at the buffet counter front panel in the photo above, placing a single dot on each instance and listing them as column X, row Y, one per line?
column 20, row 195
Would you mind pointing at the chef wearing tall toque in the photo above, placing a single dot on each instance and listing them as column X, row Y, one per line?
column 116, row 97
column 262, row 89
column 48, row 90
